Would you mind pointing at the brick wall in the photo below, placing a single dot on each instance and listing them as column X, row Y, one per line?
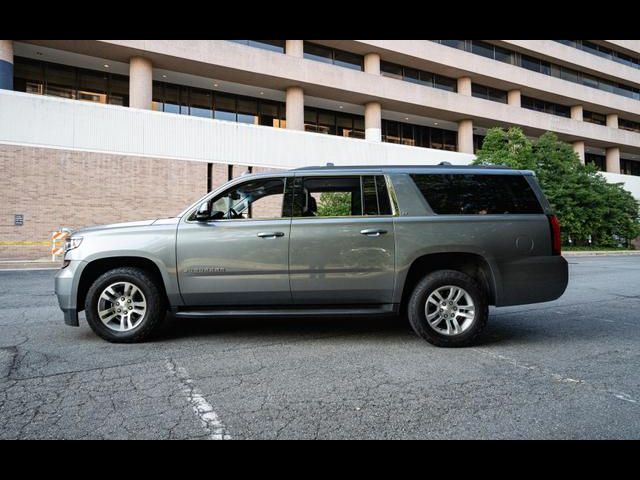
column 61, row 188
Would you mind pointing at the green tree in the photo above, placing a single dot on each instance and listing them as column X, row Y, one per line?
column 583, row 200
column 334, row 204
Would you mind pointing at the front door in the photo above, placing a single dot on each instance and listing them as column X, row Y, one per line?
column 342, row 241
column 240, row 255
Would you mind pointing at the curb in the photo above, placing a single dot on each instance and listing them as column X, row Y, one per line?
column 601, row 254
column 14, row 265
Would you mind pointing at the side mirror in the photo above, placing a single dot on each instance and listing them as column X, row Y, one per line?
column 203, row 213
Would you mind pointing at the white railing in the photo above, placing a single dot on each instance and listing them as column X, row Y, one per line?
column 631, row 182
column 37, row 120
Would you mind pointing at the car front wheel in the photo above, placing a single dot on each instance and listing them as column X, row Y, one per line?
column 124, row 305
column 448, row 309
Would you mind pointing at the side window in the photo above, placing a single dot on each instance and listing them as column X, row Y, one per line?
column 473, row 194
column 384, row 203
column 255, row 199
column 341, row 196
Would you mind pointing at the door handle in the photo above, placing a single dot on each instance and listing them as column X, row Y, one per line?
column 373, row 232
column 270, row 234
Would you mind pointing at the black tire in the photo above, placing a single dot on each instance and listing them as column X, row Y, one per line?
column 418, row 318
column 153, row 317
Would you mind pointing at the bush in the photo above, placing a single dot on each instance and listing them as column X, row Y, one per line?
column 585, row 203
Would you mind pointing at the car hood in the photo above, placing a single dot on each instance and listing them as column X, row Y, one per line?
column 111, row 226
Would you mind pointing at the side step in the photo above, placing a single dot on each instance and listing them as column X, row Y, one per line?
column 345, row 310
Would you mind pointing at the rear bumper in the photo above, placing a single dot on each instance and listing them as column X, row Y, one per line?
column 66, row 289
column 532, row 280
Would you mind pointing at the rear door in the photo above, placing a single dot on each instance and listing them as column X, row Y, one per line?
column 342, row 240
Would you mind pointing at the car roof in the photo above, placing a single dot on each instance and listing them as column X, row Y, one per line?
column 440, row 168
column 360, row 169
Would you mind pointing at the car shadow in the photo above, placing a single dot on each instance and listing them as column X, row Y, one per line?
column 504, row 330
column 250, row 327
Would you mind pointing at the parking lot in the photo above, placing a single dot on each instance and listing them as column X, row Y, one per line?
column 566, row 369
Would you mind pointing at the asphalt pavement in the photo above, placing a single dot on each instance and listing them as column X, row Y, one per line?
column 564, row 369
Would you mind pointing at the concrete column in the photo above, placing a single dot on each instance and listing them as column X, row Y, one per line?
column 576, row 112
column 612, row 120
column 578, row 147
column 372, row 63
column 465, row 136
column 464, row 86
column 295, row 48
column 295, row 108
column 373, row 121
column 613, row 160
column 140, row 83
column 6, row 64
column 514, row 98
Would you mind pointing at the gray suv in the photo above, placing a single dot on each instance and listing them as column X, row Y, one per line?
column 437, row 244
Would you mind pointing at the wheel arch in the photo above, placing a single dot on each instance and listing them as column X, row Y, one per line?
column 97, row 267
column 472, row 264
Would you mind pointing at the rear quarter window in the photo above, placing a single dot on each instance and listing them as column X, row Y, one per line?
column 474, row 194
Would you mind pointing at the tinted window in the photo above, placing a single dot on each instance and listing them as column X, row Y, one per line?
column 629, row 125
column 472, row 194
column 593, row 117
column 629, row 167
column 384, row 204
column 273, row 45
column 599, row 161
column 318, row 53
column 341, row 58
column 390, row 69
column 482, row 48
column 348, row 60
column 445, row 83
column 369, row 195
column 488, row 93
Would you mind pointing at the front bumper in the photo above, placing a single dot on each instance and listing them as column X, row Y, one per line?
column 66, row 289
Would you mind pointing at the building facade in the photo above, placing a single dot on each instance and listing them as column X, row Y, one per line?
column 101, row 131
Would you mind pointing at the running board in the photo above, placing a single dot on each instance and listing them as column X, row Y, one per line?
column 389, row 309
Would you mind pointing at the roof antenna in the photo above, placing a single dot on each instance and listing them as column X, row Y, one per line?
column 330, row 164
column 444, row 163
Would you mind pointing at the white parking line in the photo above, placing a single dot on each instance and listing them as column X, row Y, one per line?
column 203, row 409
column 557, row 377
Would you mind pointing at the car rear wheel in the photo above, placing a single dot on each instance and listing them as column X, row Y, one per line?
column 124, row 305
column 448, row 309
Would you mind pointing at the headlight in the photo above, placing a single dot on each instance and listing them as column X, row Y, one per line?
column 71, row 243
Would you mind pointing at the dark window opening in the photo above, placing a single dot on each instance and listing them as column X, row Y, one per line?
column 473, row 194
column 320, row 53
column 599, row 161
column 56, row 80
column 593, row 117
column 489, row 93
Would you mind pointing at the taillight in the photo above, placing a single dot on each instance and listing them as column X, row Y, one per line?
column 555, row 235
